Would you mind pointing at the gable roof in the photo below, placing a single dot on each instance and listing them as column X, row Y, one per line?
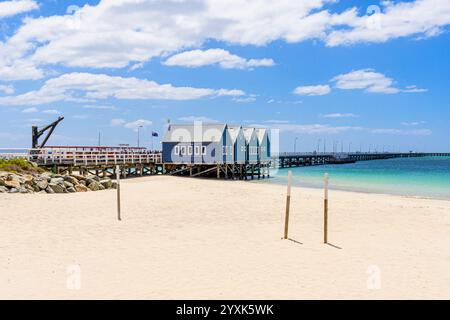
column 191, row 133
column 234, row 132
column 248, row 133
column 260, row 133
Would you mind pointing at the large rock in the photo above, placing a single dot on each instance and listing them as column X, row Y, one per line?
column 57, row 188
column 15, row 177
column 58, row 181
column 67, row 184
column 81, row 188
column 28, row 179
column 2, row 182
column 49, row 190
column 77, row 176
column 94, row 186
column 107, row 183
column 114, row 185
column 71, row 190
column 93, row 177
column 13, row 190
column 24, row 190
column 71, row 180
column 41, row 183
column 3, row 189
column 12, row 184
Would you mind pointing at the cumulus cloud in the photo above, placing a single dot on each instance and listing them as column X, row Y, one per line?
column 30, row 110
column 223, row 58
column 319, row 90
column 6, row 89
column 133, row 125
column 197, row 118
column 51, row 111
column 370, row 81
column 100, row 86
column 14, row 7
column 391, row 20
column 124, row 33
column 366, row 79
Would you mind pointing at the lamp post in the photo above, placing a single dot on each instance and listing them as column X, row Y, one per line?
column 318, row 145
column 138, row 136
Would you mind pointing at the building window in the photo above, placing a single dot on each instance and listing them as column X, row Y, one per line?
column 176, row 150
column 190, row 150
column 183, row 150
column 197, row 150
column 203, row 150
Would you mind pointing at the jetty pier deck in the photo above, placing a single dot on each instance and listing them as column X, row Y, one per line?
column 298, row 159
column 94, row 160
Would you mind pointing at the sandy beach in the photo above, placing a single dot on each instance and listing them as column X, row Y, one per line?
column 184, row 238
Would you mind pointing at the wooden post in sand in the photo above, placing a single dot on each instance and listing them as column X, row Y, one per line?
column 118, row 192
column 288, row 203
column 325, row 209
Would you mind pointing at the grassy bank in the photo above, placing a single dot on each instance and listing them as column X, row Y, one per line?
column 19, row 166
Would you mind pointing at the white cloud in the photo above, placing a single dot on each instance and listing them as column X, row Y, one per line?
column 366, row 79
column 99, row 107
column 246, row 99
column 418, row 132
column 6, row 89
column 422, row 18
column 51, row 111
column 133, row 125
column 124, row 33
column 318, row 90
column 339, row 115
column 414, row 89
column 197, row 118
column 11, row 8
column 30, row 110
column 370, row 81
column 100, row 86
column 223, row 58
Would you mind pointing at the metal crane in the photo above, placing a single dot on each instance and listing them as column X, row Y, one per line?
column 36, row 133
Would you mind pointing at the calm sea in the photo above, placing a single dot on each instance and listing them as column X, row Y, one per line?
column 422, row 177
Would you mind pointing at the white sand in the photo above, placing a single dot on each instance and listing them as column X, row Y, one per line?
column 190, row 239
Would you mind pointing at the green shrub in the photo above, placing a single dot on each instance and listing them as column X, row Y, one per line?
column 18, row 165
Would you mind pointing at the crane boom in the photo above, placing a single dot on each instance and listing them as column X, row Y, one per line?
column 36, row 133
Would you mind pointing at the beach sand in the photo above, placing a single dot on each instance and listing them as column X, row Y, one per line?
column 184, row 238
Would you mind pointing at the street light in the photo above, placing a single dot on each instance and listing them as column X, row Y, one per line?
column 138, row 129
column 318, row 145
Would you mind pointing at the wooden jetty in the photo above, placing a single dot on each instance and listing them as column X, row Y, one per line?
column 100, row 161
column 288, row 160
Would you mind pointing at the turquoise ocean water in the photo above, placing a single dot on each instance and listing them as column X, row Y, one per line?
column 422, row 177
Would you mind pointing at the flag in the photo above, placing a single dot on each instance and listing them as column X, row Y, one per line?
column 154, row 134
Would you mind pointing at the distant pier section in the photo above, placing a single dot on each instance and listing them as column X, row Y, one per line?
column 299, row 159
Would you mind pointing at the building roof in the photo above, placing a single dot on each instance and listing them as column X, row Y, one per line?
column 260, row 132
column 193, row 133
column 234, row 132
column 248, row 132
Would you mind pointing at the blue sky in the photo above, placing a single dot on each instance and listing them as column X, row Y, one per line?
column 316, row 70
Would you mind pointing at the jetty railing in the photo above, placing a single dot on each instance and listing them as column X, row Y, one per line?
column 77, row 158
